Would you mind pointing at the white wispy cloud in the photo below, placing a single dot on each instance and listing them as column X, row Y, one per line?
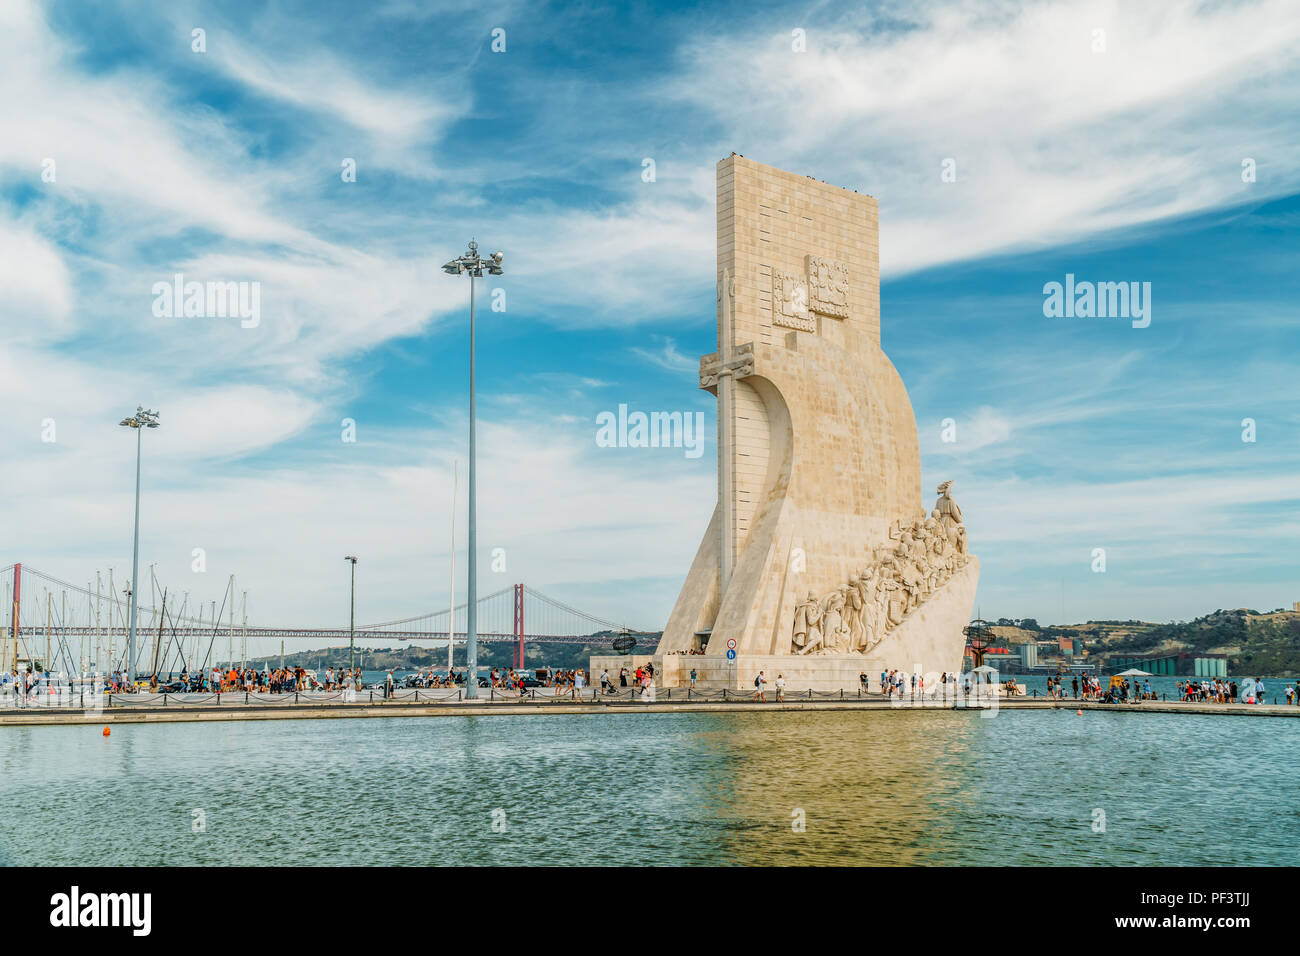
column 668, row 356
column 1052, row 141
column 36, row 282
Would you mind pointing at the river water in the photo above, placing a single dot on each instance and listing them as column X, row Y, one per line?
column 899, row 787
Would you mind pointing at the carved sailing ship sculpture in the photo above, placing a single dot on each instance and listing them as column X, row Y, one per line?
column 856, row 617
column 819, row 553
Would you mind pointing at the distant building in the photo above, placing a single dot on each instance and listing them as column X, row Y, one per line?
column 1029, row 654
column 1175, row 665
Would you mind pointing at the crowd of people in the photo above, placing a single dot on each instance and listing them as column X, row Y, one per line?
column 267, row 680
column 1131, row 689
column 640, row 680
column 270, row 680
column 507, row 680
column 895, row 683
column 1223, row 691
column 1089, row 688
column 432, row 678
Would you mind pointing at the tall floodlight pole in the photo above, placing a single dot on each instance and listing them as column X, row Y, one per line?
column 139, row 421
column 352, row 625
column 451, row 614
column 474, row 266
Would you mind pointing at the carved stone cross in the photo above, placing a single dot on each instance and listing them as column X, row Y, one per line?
column 722, row 369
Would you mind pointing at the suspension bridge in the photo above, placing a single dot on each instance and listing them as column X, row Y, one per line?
column 73, row 628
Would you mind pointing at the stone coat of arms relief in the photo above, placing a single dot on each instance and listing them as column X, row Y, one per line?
column 823, row 290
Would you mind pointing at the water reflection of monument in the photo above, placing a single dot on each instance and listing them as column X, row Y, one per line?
column 821, row 561
column 886, row 791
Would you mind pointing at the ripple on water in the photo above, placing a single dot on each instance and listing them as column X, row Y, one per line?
column 928, row 788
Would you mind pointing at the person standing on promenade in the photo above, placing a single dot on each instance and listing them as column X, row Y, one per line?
column 693, row 675
column 780, row 688
column 578, row 681
column 759, row 693
column 388, row 685
column 1075, row 682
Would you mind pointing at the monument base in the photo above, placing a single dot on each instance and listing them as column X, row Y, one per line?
column 930, row 641
column 829, row 672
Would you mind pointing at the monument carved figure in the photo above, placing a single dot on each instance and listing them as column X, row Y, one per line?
column 807, row 625
column 819, row 555
column 900, row 582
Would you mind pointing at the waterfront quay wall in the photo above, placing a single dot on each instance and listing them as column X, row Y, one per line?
column 876, row 704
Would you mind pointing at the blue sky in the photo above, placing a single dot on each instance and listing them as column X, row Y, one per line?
column 1118, row 163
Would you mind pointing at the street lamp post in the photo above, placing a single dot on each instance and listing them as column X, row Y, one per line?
column 139, row 421
column 352, row 620
column 474, row 266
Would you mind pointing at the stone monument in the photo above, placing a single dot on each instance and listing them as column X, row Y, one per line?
column 821, row 561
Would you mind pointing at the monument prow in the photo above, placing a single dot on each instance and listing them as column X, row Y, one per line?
column 820, row 557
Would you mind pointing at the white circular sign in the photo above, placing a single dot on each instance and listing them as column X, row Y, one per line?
column 731, row 643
